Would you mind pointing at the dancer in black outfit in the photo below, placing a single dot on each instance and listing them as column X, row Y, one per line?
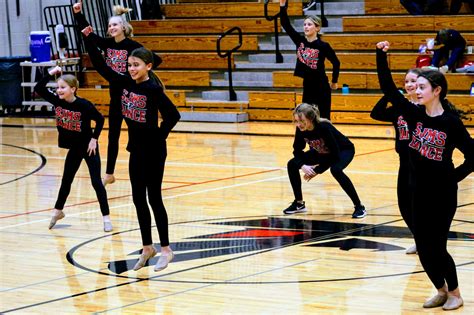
column 311, row 53
column 382, row 113
column 142, row 98
column 328, row 149
column 116, row 48
column 73, row 121
column 434, row 134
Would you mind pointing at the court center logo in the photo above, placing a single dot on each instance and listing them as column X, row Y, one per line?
column 257, row 237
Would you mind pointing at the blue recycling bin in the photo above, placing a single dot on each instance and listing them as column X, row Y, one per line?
column 10, row 81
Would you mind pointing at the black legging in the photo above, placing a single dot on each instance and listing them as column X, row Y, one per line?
column 71, row 165
column 312, row 158
column 146, row 175
column 403, row 194
column 115, row 126
column 318, row 93
column 435, row 202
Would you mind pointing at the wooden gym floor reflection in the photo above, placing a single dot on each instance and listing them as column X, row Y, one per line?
column 235, row 250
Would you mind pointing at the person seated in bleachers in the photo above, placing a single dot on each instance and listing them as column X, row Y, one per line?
column 421, row 7
column 450, row 46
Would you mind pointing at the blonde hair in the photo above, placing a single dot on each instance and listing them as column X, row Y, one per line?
column 316, row 20
column 119, row 12
column 311, row 112
column 70, row 80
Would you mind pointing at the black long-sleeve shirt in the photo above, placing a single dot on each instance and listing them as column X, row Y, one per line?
column 325, row 140
column 116, row 57
column 389, row 114
column 432, row 139
column 310, row 55
column 73, row 120
column 140, row 104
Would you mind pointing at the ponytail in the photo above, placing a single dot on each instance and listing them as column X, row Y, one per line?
column 449, row 107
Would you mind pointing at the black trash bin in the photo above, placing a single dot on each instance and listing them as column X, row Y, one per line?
column 11, row 95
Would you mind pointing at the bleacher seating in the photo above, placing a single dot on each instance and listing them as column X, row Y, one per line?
column 186, row 40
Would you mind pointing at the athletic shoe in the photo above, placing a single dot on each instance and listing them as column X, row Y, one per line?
column 295, row 207
column 310, row 6
column 163, row 261
column 359, row 212
column 143, row 259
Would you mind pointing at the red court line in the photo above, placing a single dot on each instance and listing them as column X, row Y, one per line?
column 174, row 187
column 125, row 196
column 48, row 175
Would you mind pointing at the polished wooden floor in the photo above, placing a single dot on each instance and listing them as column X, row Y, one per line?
column 236, row 252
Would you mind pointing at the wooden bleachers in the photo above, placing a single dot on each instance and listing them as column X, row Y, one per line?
column 397, row 23
column 394, row 7
column 457, row 82
column 101, row 98
column 202, row 26
column 169, row 78
column 216, row 10
column 184, row 43
column 399, row 41
column 189, row 60
column 352, row 108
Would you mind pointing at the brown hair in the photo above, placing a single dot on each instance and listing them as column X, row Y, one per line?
column 147, row 57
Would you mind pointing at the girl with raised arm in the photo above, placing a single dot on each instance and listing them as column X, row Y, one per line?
column 311, row 52
column 434, row 133
column 142, row 98
column 73, row 121
column 116, row 48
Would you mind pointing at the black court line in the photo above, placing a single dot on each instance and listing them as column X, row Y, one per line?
column 156, row 278
column 43, row 162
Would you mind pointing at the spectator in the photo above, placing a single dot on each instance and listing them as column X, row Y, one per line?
column 448, row 41
column 421, row 7
column 456, row 6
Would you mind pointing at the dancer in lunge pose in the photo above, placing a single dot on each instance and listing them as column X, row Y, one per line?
column 329, row 148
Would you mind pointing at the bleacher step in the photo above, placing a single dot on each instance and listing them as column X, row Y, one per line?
column 208, row 116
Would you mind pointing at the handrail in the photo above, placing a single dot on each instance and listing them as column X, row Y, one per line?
column 278, row 55
column 228, row 54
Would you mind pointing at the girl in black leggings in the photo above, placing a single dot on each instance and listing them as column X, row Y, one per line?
column 434, row 134
column 73, row 121
column 328, row 149
column 382, row 113
column 142, row 98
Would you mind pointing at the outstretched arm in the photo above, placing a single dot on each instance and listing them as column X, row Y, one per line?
column 285, row 23
column 387, row 85
column 42, row 90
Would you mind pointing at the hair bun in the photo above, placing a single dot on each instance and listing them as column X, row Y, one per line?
column 119, row 10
